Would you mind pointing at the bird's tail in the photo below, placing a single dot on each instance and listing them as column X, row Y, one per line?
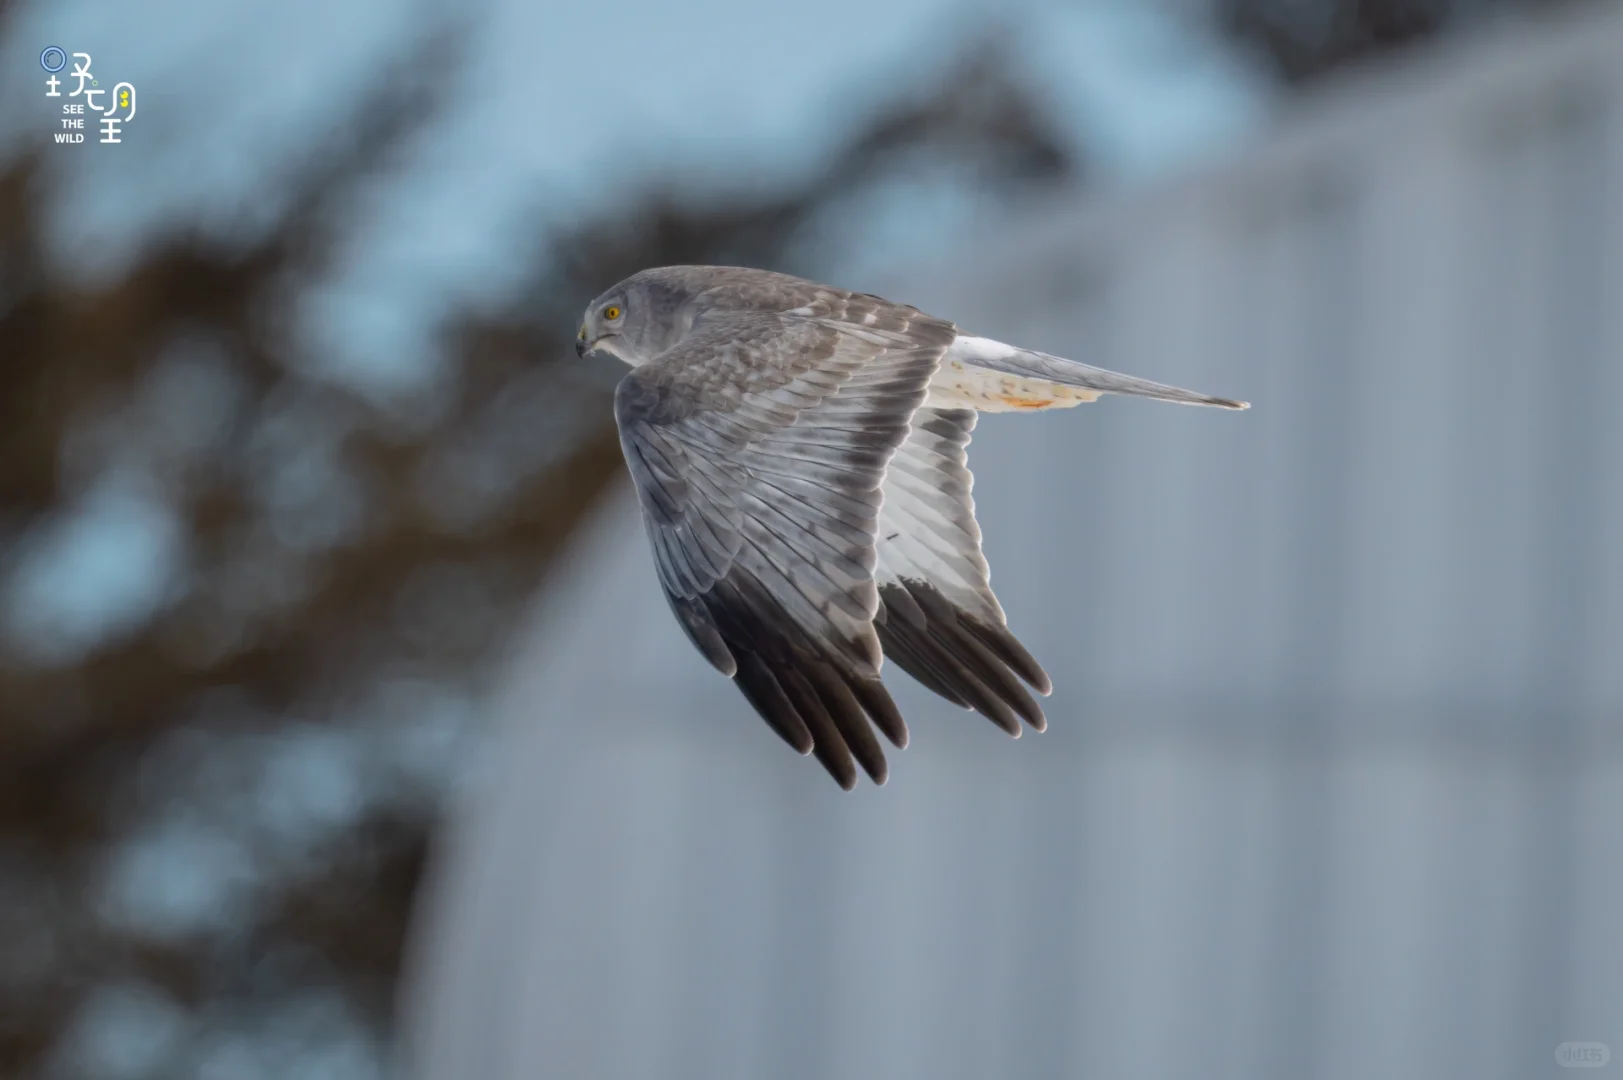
column 995, row 355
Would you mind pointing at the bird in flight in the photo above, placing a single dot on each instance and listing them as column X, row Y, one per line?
column 799, row 454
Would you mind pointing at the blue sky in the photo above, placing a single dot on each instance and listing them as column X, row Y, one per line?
column 565, row 107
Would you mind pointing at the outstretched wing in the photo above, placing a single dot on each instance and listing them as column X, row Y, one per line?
column 938, row 618
column 758, row 445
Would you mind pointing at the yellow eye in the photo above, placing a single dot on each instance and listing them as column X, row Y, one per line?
column 611, row 313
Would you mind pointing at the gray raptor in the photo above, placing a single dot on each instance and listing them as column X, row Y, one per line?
column 799, row 453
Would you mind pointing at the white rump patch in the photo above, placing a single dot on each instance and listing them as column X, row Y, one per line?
column 976, row 350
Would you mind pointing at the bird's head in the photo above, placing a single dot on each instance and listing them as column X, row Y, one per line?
column 635, row 320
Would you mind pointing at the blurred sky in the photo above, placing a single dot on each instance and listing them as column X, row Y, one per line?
column 562, row 109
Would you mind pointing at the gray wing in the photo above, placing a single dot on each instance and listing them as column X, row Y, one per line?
column 939, row 619
column 758, row 445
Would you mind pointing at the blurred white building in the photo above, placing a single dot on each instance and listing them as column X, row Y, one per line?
column 1334, row 774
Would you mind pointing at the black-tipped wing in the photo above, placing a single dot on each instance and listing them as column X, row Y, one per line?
column 758, row 445
column 939, row 619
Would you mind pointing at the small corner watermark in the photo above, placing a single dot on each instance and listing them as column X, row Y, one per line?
column 111, row 118
column 1582, row 1055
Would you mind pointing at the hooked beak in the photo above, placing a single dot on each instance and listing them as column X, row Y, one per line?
column 580, row 347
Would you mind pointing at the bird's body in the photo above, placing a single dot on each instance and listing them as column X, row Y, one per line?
column 800, row 455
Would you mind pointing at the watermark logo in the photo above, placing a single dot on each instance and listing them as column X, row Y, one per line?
column 118, row 111
column 1582, row 1055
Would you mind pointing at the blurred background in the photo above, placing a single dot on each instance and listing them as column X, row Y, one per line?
column 344, row 733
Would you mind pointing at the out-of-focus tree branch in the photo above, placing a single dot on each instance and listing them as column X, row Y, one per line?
column 1303, row 42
